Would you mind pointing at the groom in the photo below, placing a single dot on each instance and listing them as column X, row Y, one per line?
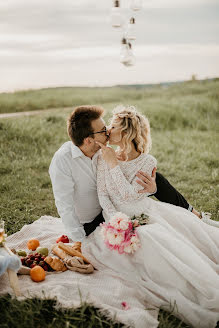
column 73, row 175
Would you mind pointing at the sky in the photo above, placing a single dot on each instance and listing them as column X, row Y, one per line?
column 50, row 43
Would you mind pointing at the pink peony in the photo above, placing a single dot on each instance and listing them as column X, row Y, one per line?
column 119, row 221
column 119, row 234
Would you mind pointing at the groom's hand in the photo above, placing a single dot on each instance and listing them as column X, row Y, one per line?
column 147, row 182
column 109, row 155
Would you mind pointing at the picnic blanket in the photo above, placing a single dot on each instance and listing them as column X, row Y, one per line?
column 102, row 289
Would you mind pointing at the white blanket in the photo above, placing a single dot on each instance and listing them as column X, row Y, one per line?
column 103, row 290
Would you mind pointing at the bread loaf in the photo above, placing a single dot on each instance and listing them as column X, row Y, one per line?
column 77, row 246
column 60, row 253
column 71, row 251
column 55, row 263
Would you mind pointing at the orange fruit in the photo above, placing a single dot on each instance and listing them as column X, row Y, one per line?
column 37, row 273
column 33, row 244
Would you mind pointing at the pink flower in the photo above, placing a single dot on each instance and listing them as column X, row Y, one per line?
column 119, row 221
column 125, row 306
column 119, row 234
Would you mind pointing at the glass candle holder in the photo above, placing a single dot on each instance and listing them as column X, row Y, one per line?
column 136, row 5
column 116, row 17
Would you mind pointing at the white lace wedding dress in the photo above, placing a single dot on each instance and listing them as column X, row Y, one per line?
column 177, row 265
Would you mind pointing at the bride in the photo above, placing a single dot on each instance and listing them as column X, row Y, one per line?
column 178, row 261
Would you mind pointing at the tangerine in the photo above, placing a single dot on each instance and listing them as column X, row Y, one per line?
column 37, row 273
column 33, row 244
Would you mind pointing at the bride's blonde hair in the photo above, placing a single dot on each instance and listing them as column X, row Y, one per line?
column 135, row 128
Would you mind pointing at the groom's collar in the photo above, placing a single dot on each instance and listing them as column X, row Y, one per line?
column 76, row 152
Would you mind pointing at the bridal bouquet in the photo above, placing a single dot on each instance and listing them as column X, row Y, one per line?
column 120, row 233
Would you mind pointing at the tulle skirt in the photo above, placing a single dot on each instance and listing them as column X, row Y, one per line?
column 177, row 265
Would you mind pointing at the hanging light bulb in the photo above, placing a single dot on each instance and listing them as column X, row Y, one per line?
column 131, row 60
column 126, row 56
column 136, row 5
column 116, row 17
column 131, row 30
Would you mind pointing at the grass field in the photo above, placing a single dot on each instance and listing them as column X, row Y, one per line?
column 184, row 121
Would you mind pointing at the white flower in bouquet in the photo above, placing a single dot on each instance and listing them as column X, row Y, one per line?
column 120, row 232
column 120, row 221
column 114, row 238
column 133, row 246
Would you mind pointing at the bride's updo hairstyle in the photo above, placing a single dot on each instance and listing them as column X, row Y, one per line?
column 135, row 128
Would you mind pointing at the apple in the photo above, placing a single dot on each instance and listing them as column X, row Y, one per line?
column 43, row 251
column 21, row 252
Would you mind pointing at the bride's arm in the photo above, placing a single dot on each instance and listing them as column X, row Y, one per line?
column 127, row 190
column 104, row 199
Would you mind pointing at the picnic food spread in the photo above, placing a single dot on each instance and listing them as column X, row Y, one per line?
column 62, row 257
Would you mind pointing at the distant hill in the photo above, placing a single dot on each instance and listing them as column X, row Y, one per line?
column 60, row 97
column 163, row 84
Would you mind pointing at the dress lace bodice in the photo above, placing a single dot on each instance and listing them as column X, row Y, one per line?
column 118, row 186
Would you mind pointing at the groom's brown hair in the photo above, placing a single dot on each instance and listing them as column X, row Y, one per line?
column 79, row 123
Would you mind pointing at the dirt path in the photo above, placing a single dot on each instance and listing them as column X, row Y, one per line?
column 8, row 115
column 33, row 112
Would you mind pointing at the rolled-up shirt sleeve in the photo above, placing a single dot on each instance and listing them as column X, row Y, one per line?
column 63, row 190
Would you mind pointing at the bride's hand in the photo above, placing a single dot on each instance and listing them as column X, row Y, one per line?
column 109, row 155
column 147, row 182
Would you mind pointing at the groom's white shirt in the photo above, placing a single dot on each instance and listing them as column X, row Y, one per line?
column 73, row 177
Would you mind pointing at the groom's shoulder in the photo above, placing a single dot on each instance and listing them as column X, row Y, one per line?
column 65, row 150
column 65, row 154
column 62, row 158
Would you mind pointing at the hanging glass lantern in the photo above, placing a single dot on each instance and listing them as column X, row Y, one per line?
column 116, row 17
column 126, row 56
column 131, row 30
column 136, row 5
column 131, row 61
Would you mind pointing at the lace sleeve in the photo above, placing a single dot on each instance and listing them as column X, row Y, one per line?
column 104, row 198
column 129, row 191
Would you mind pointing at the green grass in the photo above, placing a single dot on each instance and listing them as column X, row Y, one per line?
column 41, row 313
column 184, row 121
column 73, row 96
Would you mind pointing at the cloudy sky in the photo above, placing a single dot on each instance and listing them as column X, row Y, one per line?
column 46, row 43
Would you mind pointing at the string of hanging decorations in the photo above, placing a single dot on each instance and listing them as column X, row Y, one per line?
column 129, row 29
